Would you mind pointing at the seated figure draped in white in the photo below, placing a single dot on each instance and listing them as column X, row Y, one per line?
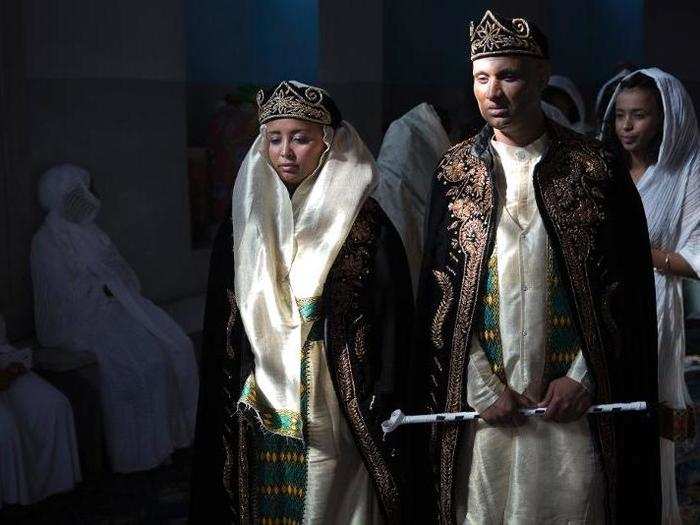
column 88, row 298
column 38, row 451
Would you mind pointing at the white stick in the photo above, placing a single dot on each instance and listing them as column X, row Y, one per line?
column 398, row 418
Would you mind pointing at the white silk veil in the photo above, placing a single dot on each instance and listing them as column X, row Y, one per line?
column 283, row 250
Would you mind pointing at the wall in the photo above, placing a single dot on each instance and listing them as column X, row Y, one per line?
column 105, row 89
column 426, row 56
column 672, row 41
column 247, row 42
column 351, row 64
column 426, row 47
column 16, row 220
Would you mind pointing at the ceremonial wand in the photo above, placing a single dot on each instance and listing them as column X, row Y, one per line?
column 398, row 418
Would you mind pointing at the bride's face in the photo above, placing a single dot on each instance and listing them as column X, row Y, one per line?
column 295, row 149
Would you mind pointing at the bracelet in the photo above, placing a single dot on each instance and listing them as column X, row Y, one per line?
column 667, row 264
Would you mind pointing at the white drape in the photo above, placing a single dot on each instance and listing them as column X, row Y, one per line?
column 87, row 297
column 555, row 114
column 283, row 250
column 412, row 147
column 567, row 86
column 601, row 92
column 38, row 448
column 670, row 191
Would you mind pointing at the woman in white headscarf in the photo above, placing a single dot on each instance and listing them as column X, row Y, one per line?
column 308, row 311
column 38, row 448
column 652, row 122
column 87, row 298
column 412, row 147
column 605, row 95
column 565, row 96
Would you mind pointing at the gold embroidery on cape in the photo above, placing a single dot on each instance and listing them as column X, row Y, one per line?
column 443, row 281
column 351, row 274
column 470, row 194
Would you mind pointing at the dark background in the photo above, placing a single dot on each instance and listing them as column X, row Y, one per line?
column 123, row 88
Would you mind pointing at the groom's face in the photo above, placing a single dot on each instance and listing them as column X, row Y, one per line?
column 508, row 89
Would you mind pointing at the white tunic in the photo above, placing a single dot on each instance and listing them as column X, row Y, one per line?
column 38, row 448
column 541, row 472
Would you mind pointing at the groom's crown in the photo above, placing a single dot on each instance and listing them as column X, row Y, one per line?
column 499, row 36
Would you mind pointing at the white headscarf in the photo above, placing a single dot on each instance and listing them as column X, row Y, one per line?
column 567, row 86
column 601, row 92
column 412, row 148
column 555, row 114
column 71, row 210
column 665, row 185
column 283, row 250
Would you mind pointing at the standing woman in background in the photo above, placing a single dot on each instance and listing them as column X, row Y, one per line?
column 651, row 122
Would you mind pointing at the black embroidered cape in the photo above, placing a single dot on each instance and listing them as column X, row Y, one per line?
column 367, row 301
column 596, row 224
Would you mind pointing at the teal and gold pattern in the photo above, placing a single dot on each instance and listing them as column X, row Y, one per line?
column 487, row 326
column 283, row 422
column 311, row 311
column 562, row 341
column 279, row 478
column 280, row 470
column 286, row 423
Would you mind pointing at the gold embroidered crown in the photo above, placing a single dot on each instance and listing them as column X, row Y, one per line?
column 498, row 36
column 292, row 99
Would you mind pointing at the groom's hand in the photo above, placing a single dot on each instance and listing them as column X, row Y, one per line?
column 504, row 412
column 566, row 400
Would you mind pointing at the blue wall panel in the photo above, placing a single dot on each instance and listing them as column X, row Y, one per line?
column 251, row 42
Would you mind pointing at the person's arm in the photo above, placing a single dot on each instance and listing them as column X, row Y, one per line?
column 65, row 301
column 483, row 386
column 578, row 371
column 497, row 404
column 685, row 262
column 673, row 263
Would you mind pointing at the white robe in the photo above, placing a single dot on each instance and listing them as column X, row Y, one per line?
column 38, row 448
column 670, row 191
column 411, row 150
column 566, row 85
column 541, row 472
column 148, row 373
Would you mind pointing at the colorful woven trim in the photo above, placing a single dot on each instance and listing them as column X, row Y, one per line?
column 562, row 341
column 279, row 478
column 488, row 329
column 311, row 311
column 281, row 466
column 282, row 422
column 310, row 308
